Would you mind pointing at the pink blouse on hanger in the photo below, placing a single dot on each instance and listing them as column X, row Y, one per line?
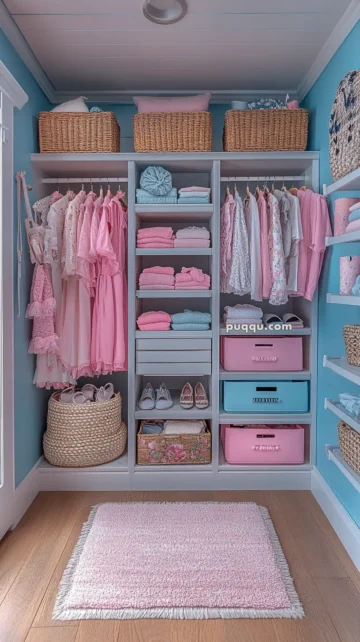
column 320, row 228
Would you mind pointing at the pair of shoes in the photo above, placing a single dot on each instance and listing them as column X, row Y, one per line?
column 162, row 401
column 187, row 396
column 87, row 394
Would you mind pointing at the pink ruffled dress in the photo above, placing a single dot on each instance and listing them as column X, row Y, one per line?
column 41, row 309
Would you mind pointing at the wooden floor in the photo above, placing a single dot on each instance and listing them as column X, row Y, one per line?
column 33, row 557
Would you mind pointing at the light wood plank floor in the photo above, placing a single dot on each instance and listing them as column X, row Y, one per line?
column 33, row 557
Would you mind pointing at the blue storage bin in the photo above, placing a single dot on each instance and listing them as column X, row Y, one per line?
column 266, row 396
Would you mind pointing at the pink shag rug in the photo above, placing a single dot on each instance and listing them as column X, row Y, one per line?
column 177, row 560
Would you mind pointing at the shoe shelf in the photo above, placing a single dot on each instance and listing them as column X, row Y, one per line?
column 175, row 412
column 333, row 453
column 336, row 408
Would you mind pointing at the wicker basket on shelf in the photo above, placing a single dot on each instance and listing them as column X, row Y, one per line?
column 173, row 132
column 349, row 440
column 265, row 130
column 344, row 127
column 352, row 344
column 173, row 449
column 78, row 132
column 84, row 434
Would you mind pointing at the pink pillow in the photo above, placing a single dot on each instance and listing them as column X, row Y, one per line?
column 149, row 105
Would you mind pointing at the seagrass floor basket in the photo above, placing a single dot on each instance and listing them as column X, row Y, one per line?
column 78, row 132
column 349, row 440
column 265, row 130
column 173, row 132
column 352, row 344
column 84, row 434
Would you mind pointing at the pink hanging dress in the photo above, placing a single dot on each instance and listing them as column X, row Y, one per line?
column 109, row 329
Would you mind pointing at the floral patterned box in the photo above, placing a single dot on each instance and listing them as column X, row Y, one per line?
column 173, row 449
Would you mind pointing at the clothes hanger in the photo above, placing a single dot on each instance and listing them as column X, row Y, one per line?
column 248, row 193
column 284, row 188
column 273, row 187
column 257, row 191
column 108, row 189
column 266, row 191
column 235, row 189
column 227, row 190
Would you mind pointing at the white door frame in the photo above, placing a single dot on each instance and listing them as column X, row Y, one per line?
column 11, row 95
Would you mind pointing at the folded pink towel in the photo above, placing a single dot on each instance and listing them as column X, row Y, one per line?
column 157, row 287
column 191, row 243
column 193, row 233
column 149, row 232
column 151, row 327
column 156, row 279
column 155, row 244
column 353, row 226
column 191, row 286
column 195, row 188
column 159, row 269
column 154, row 316
column 154, row 239
column 191, row 274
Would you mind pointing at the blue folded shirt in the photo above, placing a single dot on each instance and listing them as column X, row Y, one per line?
column 190, row 316
column 190, row 326
column 144, row 197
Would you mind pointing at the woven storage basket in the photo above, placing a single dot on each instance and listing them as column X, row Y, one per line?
column 352, row 344
column 173, row 132
column 173, row 449
column 349, row 440
column 344, row 127
column 84, row 434
column 267, row 130
column 78, row 132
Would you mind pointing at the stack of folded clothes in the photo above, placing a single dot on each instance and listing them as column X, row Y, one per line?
column 156, row 187
column 153, row 321
column 354, row 219
column 194, row 195
column 157, row 278
column 184, row 427
column 242, row 313
column 192, row 237
column 191, row 320
column 148, row 237
column 192, row 279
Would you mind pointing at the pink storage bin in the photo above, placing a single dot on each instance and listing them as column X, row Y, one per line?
column 278, row 354
column 261, row 444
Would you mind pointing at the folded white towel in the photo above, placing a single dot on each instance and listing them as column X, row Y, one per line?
column 243, row 311
column 184, row 427
column 193, row 233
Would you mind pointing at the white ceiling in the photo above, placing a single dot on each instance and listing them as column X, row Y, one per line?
column 221, row 44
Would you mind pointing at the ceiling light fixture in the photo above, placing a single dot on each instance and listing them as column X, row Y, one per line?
column 165, row 12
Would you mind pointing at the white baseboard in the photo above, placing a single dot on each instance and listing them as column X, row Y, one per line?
column 25, row 493
column 343, row 525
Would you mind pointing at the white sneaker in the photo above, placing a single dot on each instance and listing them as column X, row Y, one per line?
column 147, row 399
column 163, row 398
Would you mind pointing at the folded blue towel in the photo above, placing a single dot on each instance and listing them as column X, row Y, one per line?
column 144, row 197
column 354, row 216
column 193, row 201
column 190, row 326
column 152, row 428
column 190, row 316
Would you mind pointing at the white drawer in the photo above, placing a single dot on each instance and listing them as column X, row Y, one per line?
column 189, row 369
column 173, row 344
column 173, row 356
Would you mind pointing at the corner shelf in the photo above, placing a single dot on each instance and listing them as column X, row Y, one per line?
column 350, row 237
column 333, row 453
column 174, row 294
column 343, row 299
column 350, row 182
column 300, row 375
column 342, row 368
column 174, row 251
column 336, row 408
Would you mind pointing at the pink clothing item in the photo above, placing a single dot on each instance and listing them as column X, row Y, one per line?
column 195, row 275
column 158, row 269
column 42, row 310
column 226, row 238
column 305, row 198
column 156, row 279
column 154, row 317
column 353, row 226
column 85, row 266
column 264, row 247
column 195, row 188
column 155, row 327
column 95, row 222
column 149, row 232
column 320, row 228
column 187, row 242
column 278, row 294
column 69, row 248
column 155, row 239
column 159, row 286
column 109, row 331
column 191, row 286
column 144, row 246
column 342, row 209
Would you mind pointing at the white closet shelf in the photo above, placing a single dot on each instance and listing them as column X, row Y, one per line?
column 350, row 182
column 174, row 334
column 175, row 412
column 265, row 333
column 118, row 465
column 170, row 468
column 224, row 466
column 350, row 237
column 333, row 453
column 264, row 418
column 342, row 368
column 173, row 294
column 301, row 375
column 175, row 251
column 337, row 409
column 174, row 212
column 343, row 299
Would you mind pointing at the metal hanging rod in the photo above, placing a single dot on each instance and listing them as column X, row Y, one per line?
column 254, row 179
column 67, row 181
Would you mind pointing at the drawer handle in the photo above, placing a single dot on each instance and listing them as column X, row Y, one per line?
column 266, row 400
column 266, row 448
column 271, row 358
column 266, row 388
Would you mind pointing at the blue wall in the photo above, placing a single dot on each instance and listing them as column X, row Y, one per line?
column 30, row 403
column 332, row 318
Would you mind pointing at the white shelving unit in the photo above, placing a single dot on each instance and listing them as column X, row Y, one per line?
column 333, row 454
column 350, row 182
column 336, row 408
column 126, row 474
column 351, row 237
column 343, row 299
column 342, row 368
